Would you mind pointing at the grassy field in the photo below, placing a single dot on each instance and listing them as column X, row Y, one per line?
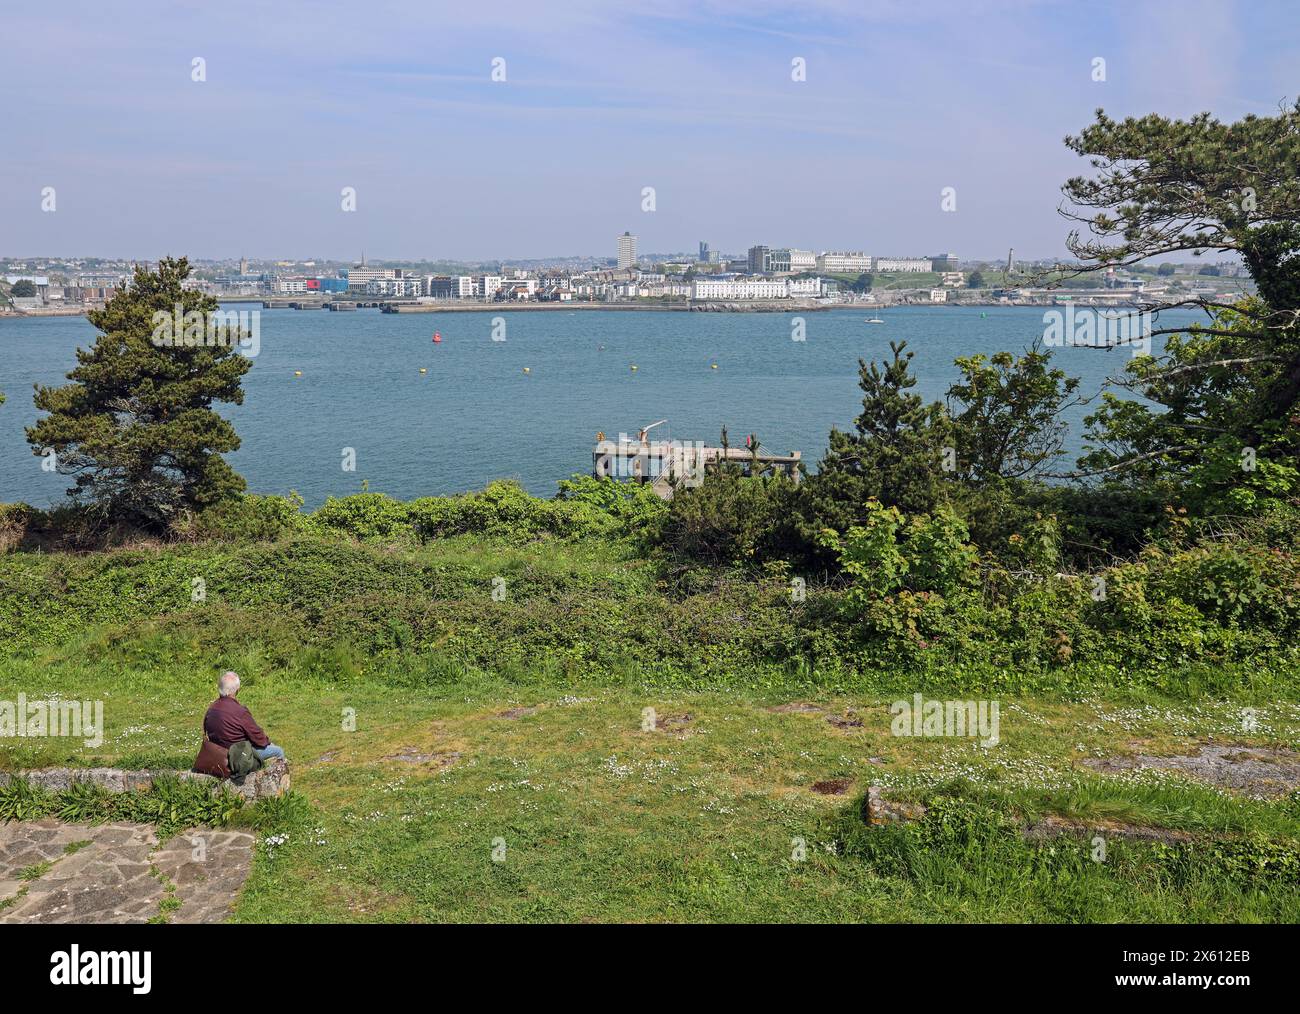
column 461, row 758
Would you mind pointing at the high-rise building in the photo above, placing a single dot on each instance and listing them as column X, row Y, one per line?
column 760, row 260
column 626, row 251
column 704, row 252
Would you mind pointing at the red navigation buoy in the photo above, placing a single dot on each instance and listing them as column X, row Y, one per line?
column 437, row 338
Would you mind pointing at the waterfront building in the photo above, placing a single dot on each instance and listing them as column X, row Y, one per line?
column 740, row 288
column 516, row 288
column 486, row 286
column 449, row 286
column 360, row 277
column 401, row 286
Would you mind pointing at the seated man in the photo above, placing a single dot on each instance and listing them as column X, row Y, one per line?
column 228, row 721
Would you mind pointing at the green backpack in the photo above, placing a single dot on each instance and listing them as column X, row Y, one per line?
column 243, row 760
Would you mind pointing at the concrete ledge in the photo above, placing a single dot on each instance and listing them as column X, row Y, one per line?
column 272, row 779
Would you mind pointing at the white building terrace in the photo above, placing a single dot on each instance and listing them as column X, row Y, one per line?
column 915, row 265
column 755, row 288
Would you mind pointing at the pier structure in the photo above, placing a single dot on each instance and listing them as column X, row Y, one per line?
column 669, row 465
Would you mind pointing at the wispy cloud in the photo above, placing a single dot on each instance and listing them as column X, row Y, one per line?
column 694, row 98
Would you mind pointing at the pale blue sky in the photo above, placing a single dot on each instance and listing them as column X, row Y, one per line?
column 601, row 99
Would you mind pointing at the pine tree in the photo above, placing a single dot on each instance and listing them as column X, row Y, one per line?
column 1166, row 186
column 895, row 454
column 136, row 425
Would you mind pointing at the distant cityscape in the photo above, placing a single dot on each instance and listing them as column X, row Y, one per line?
column 774, row 276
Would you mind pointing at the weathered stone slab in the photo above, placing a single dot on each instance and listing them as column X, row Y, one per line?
column 31, row 843
column 272, row 779
column 1254, row 770
column 109, row 881
column 879, row 810
column 119, row 873
column 1052, row 826
column 208, row 868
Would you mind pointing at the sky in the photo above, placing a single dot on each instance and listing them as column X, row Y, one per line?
column 601, row 99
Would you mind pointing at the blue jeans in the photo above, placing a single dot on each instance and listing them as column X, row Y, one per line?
column 268, row 751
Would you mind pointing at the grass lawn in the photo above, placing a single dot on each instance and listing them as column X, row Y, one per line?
column 591, row 815
column 439, row 787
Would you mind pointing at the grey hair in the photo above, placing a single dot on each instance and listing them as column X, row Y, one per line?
column 228, row 685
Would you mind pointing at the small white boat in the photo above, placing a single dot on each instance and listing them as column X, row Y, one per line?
column 873, row 320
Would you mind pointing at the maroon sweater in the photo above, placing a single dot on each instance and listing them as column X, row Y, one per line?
column 228, row 721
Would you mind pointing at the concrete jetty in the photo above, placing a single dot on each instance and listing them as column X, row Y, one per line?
column 669, row 465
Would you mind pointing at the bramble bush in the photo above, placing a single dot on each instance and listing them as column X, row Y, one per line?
column 584, row 506
column 928, row 553
column 730, row 518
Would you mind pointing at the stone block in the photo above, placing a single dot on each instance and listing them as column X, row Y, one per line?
column 272, row 779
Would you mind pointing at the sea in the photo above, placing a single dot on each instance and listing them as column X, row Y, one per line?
column 522, row 395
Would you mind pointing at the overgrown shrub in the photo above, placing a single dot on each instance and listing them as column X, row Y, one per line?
column 731, row 518
column 251, row 518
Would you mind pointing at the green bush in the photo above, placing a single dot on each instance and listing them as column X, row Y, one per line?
column 730, row 518
column 870, row 554
column 940, row 557
column 584, row 506
column 362, row 516
column 251, row 518
column 595, row 504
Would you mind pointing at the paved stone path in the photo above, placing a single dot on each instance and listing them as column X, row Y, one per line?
column 113, row 873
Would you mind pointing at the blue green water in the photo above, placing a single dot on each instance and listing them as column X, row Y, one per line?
column 476, row 415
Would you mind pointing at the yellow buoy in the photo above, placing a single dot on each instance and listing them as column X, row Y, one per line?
column 423, row 370
column 527, row 370
column 713, row 366
column 634, row 368
column 297, row 373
